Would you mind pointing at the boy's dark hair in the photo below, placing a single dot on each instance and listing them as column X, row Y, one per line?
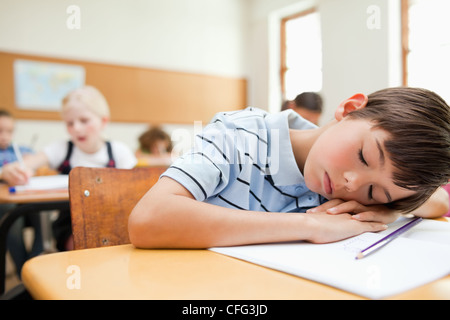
column 418, row 122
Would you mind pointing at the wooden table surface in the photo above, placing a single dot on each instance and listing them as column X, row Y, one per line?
column 124, row 272
column 31, row 196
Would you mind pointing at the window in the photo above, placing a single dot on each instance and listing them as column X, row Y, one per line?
column 426, row 45
column 301, row 54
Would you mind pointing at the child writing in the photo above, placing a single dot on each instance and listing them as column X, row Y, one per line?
column 86, row 113
column 7, row 149
column 252, row 175
column 9, row 153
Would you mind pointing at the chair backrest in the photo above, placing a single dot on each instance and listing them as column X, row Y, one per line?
column 101, row 200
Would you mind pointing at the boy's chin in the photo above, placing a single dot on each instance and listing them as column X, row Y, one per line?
column 318, row 191
column 326, row 196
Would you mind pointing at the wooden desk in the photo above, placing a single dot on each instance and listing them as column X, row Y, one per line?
column 124, row 272
column 32, row 196
column 27, row 202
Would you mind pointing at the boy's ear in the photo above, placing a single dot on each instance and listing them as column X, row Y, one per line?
column 357, row 101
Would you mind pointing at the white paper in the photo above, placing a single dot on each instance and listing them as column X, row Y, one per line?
column 53, row 182
column 427, row 230
column 405, row 263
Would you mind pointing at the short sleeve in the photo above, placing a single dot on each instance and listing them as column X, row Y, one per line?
column 205, row 170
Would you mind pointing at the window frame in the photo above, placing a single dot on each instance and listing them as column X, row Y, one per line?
column 405, row 40
column 283, row 66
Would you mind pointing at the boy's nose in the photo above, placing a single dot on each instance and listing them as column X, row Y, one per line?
column 352, row 181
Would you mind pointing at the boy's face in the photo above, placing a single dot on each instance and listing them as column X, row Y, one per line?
column 84, row 126
column 6, row 131
column 348, row 161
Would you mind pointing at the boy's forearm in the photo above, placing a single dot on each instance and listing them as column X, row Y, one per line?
column 168, row 217
column 187, row 223
column 436, row 206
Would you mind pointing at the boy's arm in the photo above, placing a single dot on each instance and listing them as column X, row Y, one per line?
column 17, row 174
column 436, row 206
column 169, row 217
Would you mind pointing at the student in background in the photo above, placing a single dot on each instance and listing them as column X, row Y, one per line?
column 85, row 112
column 155, row 147
column 307, row 104
column 255, row 177
column 8, row 154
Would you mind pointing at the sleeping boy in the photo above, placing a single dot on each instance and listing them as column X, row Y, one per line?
column 255, row 177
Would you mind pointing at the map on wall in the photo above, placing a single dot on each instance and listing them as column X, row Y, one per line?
column 42, row 85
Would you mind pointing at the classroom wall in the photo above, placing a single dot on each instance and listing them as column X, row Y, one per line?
column 356, row 58
column 205, row 37
column 200, row 36
column 236, row 38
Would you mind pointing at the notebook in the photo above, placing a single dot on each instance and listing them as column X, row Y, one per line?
column 40, row 183
column 419, row 256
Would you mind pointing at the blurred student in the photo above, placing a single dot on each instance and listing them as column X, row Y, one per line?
column 307, row 104
column 8, row 154
column 86, row 113
column 155, row 147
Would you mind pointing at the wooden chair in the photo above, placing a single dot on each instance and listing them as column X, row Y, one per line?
column 101, row 200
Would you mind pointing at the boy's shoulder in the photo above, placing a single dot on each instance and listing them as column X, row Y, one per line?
column 257, row 118
column 249, row 113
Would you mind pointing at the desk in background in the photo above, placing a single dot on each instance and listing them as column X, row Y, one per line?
column 27, row 202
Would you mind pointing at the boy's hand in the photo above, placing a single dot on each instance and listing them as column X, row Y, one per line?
column 374, row 213
column 15, row 174
column 327, row 228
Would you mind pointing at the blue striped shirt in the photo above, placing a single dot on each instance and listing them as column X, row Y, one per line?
column 244, row 160
column 8, row 155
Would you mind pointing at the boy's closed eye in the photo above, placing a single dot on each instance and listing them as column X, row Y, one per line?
column 361, row 157
column 363, row 161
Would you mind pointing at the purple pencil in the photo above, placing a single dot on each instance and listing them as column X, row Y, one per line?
column 381, row 243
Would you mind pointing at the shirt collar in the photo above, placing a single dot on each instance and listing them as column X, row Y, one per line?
column 283, row 167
